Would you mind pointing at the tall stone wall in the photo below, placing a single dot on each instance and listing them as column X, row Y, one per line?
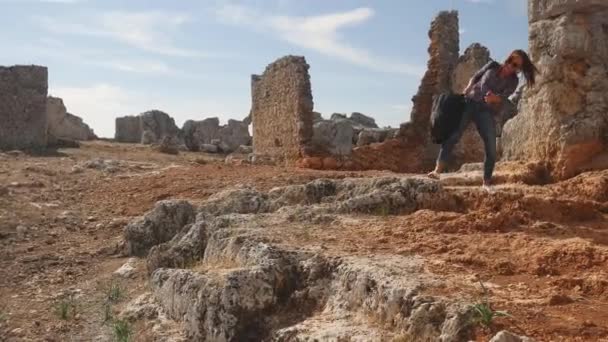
column 412, row 150
column 128, row 129
column 63, row 125
column 563, row 120
column 281, row 110
column 23, row 121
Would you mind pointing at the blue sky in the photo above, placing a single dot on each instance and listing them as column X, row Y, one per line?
column 193, row 58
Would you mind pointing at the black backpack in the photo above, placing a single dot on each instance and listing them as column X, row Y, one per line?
column 446, row 115
column 448, row 108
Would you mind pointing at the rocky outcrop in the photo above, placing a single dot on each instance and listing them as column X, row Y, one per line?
column 157, row 125
column 63, row 125
column 157, row 226
column 128, row 129
column 281, row 109
column 225, row 281
column 233, row 135
column 198, row 135
column 370, row 135
column 23, row 93
column 147, row 128
column 563, row 120
column 333, row 137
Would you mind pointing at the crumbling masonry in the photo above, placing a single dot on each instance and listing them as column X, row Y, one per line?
column 23, row 92
column 563, row 120
column 281, row 110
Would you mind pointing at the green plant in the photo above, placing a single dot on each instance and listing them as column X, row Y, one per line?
column 108, row 314
column 122, row 331
column 484, row 314
column 114, row 293
column 64, row 308
column 3, row 316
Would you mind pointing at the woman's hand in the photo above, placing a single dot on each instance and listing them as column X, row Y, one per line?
column 492, row 99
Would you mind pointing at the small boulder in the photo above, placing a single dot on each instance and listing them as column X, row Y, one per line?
column 157, row 226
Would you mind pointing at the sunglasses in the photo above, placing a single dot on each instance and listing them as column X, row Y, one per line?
column 514, row 65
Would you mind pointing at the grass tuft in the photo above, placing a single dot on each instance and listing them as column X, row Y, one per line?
column 65, row 308
column 483, row 312
column 122, row 330
column 115, row 293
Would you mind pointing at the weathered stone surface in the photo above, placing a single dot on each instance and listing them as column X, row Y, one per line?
column 157, row 226
column 333, row 137
column 63, row 125
column 225, row 283
column 281, row 110
column 506, row 336
column 563, row 120
column 168, row 145
column 363, row 120
column 316, row 116
column 128, row 129
column 370, row 136
column 160, row 125
column 23, row 93
column 197, row 133
column 147, row 128
column 233, row 135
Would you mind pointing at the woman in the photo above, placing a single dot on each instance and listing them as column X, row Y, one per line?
column 485, row 94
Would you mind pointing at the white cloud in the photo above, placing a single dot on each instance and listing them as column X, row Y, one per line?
column 152, row 31
column 462, row 31
column 319, row 33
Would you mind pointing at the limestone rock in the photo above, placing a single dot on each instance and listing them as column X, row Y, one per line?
column 363, row 120
column 128, row 129
column 281, row 109
column 150, row 127
column 208, row 148
column 160, row 124
column 233, row 135
column 127, row 270
column 316, row 116
column 197, row 133
column 333, row 137
column 63, row 125
column 23, row 93
column 563, row 119
column 157, row 226
column 370, row 136
column 168, row 145
column 506, row 336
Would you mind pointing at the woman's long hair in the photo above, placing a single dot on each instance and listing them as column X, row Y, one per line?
column 527, row 67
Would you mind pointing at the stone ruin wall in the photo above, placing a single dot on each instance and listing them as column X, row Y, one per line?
column 563, row 120
column 128, row 129
column 412, row 150
column 150, row 127
column 63, row 125
column 281, row 110
column 23, row 96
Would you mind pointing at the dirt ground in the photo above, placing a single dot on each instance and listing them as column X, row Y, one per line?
column 541, row 251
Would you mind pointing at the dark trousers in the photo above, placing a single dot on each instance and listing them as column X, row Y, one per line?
column 483, row 118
